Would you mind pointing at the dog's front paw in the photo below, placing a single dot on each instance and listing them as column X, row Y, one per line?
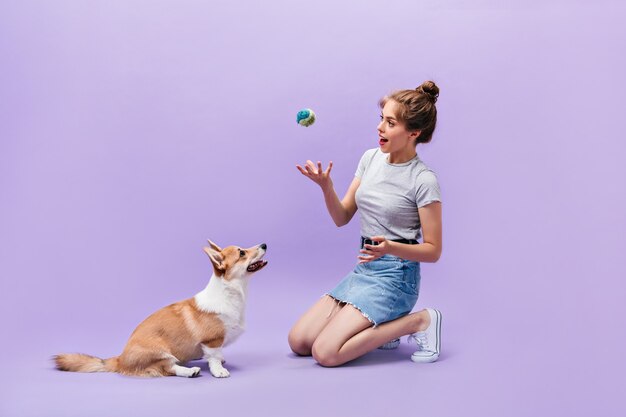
column 195, row 371
column 220, row 372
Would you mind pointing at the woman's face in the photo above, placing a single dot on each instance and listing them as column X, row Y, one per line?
column 392, row 135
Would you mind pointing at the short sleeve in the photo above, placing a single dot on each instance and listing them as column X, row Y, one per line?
column 427, row 189
column 364, row 162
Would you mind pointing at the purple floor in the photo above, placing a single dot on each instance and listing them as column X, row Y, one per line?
column 497, row 360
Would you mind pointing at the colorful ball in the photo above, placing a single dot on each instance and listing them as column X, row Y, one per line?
column 305, row 117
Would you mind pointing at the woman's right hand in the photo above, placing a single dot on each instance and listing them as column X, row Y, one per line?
column 317, row 174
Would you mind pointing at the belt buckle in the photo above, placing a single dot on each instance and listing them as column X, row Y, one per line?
column 369, row 242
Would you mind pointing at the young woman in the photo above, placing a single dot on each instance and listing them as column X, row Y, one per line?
column 399, row 201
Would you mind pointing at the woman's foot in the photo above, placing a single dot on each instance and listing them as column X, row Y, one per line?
column 419, row 323
column 429, row 340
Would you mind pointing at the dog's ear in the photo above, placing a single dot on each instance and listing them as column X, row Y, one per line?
column 214, row 246
column 216, row 259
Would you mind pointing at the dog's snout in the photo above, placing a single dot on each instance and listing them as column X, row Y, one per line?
column 263, row 246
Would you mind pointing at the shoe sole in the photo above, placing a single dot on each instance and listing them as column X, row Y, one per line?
column 435, row 356
column 424, row 359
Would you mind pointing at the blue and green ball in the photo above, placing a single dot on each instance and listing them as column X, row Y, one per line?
column 305, row 117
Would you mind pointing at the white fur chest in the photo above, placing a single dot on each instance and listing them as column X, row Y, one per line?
column 234, row 325
column 227, row 300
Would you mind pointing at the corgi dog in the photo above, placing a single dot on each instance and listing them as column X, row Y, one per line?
column 198, row 327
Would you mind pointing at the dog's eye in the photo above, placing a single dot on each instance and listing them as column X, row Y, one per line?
column 242, row 253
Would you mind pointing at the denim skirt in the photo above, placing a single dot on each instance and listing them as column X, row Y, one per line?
column 382, row 290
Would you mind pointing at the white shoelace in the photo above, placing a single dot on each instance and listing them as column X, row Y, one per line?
column 420, row 339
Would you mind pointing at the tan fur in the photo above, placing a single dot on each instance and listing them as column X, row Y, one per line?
column 172, row 335
column 78, row 362
column 229, row 256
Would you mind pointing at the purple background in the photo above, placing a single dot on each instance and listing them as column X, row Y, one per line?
column 131, row 131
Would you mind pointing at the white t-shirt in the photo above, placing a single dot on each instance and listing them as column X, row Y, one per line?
column 390, row 194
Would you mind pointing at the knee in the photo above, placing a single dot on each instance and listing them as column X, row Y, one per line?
column 325, row 355
column 298, row 343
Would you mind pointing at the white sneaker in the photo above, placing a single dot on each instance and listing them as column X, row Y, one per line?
column 390, row 345
column 429, row 341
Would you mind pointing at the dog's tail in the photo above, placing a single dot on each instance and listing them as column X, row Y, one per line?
column 79, row 362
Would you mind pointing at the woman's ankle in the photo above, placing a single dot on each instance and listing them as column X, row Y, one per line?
column 422, row 321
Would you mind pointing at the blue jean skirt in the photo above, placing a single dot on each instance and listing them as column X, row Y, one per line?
column 382, row 290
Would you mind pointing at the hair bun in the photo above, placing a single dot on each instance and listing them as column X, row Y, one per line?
column 429, row 88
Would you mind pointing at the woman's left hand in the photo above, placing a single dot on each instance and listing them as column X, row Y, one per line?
column 372, row 252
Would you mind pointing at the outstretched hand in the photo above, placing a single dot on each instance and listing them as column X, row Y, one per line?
column 317, row 174
column 372, row 252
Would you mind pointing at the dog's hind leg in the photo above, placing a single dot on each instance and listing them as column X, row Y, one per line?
column 186, row 372
column 169, row 366
column 146, row 363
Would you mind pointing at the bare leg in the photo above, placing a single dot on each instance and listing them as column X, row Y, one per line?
column 349, row 335
column 309, row 326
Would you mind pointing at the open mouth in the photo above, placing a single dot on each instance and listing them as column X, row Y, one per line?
column 257, row 265
column 382, row 140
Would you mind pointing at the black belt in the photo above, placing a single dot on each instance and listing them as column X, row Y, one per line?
column 368, row 241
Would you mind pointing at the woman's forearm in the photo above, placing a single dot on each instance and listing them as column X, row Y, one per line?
column 335, row 208
column 424, row 252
